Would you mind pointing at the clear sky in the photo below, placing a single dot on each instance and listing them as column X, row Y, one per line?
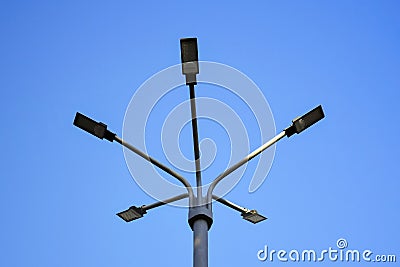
column 60, row 188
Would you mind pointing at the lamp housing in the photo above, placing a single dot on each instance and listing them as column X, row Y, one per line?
column 189, row 59
column 253, row 216
column 133, row 213
column 93, row 127
column 299, row 124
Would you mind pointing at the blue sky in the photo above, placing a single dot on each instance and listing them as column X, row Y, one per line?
column 60, row 188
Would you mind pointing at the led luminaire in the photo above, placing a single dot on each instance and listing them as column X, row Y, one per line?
column 190, row 59
column 98, row 129
column 133, row 213
column 253, row 216
column 305, row 121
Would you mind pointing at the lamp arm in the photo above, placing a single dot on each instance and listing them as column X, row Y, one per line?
column 241, row 163
column 159, row 165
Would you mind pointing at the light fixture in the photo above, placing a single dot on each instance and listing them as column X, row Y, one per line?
column 253, row 216
column 200, row 208
column 98, row 129
column 190, row 59
column 133, row 213
column 305, row 121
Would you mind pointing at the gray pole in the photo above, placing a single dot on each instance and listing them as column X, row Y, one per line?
column 196, row 143
column 200, row 243
column 200, row 218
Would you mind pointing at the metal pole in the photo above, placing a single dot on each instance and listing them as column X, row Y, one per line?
column 200, row 224
column 196, row 143
column 200, row 243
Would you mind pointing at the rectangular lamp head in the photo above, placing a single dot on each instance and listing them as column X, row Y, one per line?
column 305, row 121
column 98, row 129
column 253, row 216
column 190, row 59
column 133, row 213
column 189, row 52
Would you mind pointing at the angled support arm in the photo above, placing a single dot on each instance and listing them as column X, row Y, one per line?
column 241, row 163
column 159, row 165
column 299, row 124
column 230, row 204
column 100, row 130
column 249, row 215
column 164, row 202
column 134, row 213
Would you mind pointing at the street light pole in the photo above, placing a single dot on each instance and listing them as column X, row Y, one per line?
column 200, row 208
column 200, row 215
